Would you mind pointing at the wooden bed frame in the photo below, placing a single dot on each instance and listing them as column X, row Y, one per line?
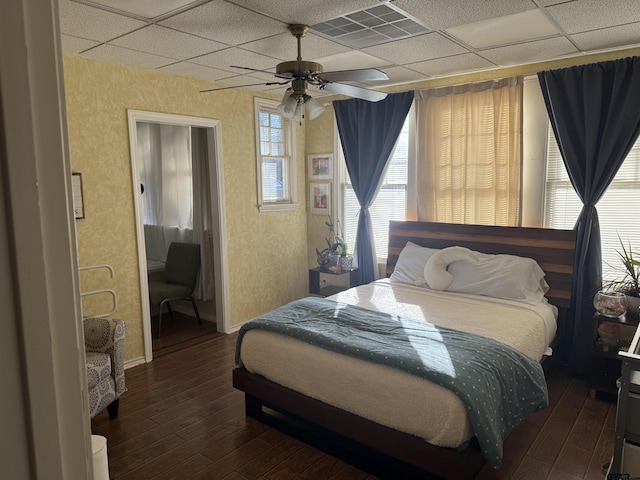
column 380, row 450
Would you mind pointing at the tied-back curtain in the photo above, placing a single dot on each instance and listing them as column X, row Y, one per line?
column 470, row 153
column 202, row 232
column 165, row 173
column 368, row 133
column 595, row 116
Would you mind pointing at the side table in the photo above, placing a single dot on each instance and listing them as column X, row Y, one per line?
column 318, row 287
column 606, row 363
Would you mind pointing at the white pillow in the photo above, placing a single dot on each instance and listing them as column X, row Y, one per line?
column 410, row 265
column 500, row 276
column 435, row 270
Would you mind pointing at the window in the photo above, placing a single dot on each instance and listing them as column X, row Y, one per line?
column 390, row 204
column 617, row 209
column 276, row 165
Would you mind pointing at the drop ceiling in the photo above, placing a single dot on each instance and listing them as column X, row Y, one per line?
column 410, row 40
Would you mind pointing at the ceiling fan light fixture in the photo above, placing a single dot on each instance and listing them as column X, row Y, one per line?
column 314, row 109
column 298, row 113
column 288, row 106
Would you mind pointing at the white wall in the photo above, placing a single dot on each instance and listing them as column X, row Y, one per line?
column 534, row 153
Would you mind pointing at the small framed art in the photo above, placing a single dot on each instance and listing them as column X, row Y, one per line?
column 321, row 166
column 320, row 200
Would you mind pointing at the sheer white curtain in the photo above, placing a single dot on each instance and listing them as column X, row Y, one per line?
column 470, row 153
column 166, row 176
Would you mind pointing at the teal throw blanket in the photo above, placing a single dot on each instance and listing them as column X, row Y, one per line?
column 499, row 386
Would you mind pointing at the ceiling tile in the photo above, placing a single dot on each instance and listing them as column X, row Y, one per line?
column 113, row 54
column 166, row 42
column 224, row 59
column 145, row 8
column 547, row 3
column 92, row 23
column 416, row 49
column 515, row 28
column 530, row 52
column 241, row 80
column 285, row 47
column 187, row 69
column 440, row 67
column 74, row 45
column 307, row 12
column 584, row 15
column 623, row 36
column 213, row 35
column 460, row 12
column 224, row 22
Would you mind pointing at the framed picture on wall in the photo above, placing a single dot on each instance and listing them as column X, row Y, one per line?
column 320, row 199
column 321, row 166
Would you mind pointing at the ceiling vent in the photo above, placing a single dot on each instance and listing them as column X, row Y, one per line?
column 371, row 26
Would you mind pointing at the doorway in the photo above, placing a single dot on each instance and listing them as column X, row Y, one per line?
column 210, row 134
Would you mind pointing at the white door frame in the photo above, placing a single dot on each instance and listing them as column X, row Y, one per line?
column 46, row 429
column 216, row 181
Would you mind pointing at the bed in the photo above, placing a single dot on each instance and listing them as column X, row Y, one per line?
column 389, row 418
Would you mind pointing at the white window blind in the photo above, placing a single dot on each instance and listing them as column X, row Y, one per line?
column 390, row 204
column 618, row 209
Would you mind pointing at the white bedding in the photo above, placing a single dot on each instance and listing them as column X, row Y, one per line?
column 388, row 396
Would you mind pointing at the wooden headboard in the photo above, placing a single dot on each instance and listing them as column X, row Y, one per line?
column 554, row 250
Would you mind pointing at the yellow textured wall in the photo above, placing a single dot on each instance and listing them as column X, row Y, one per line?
column 319, row 139
column 267, row 252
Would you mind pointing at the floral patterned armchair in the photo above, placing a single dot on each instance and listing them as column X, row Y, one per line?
column 104, row 346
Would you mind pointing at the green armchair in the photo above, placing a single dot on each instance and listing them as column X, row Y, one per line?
column 104, row 350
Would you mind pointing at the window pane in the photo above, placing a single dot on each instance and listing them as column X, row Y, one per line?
column 390, row 204
column 275, row 157
column 264, row 118
column 562, row 206
column 274, row 180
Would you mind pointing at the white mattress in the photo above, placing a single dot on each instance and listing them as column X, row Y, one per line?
column 388, row 396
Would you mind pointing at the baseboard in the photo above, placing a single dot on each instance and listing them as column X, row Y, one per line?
column 134, row 362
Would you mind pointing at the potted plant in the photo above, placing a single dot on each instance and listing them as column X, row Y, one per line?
column 335, row 257
column 629, row 284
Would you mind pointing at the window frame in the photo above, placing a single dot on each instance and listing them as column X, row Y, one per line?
column 271, row 107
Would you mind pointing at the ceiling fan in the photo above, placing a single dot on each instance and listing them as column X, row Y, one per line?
column 303, row 73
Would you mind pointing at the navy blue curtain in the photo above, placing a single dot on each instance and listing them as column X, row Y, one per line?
column 368, row 133
column 595, row 114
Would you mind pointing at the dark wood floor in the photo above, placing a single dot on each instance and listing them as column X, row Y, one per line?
column 182, row 419
column 178, row 332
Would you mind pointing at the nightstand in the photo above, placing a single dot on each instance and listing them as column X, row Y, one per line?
column 322, row 286
column 606, row 364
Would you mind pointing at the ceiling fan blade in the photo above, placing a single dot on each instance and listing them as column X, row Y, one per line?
column 242, row 86
column 358, row 75
column 353, row 91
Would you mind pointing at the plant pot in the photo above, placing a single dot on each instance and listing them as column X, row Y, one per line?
column 332, row 263
column 346, row 263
